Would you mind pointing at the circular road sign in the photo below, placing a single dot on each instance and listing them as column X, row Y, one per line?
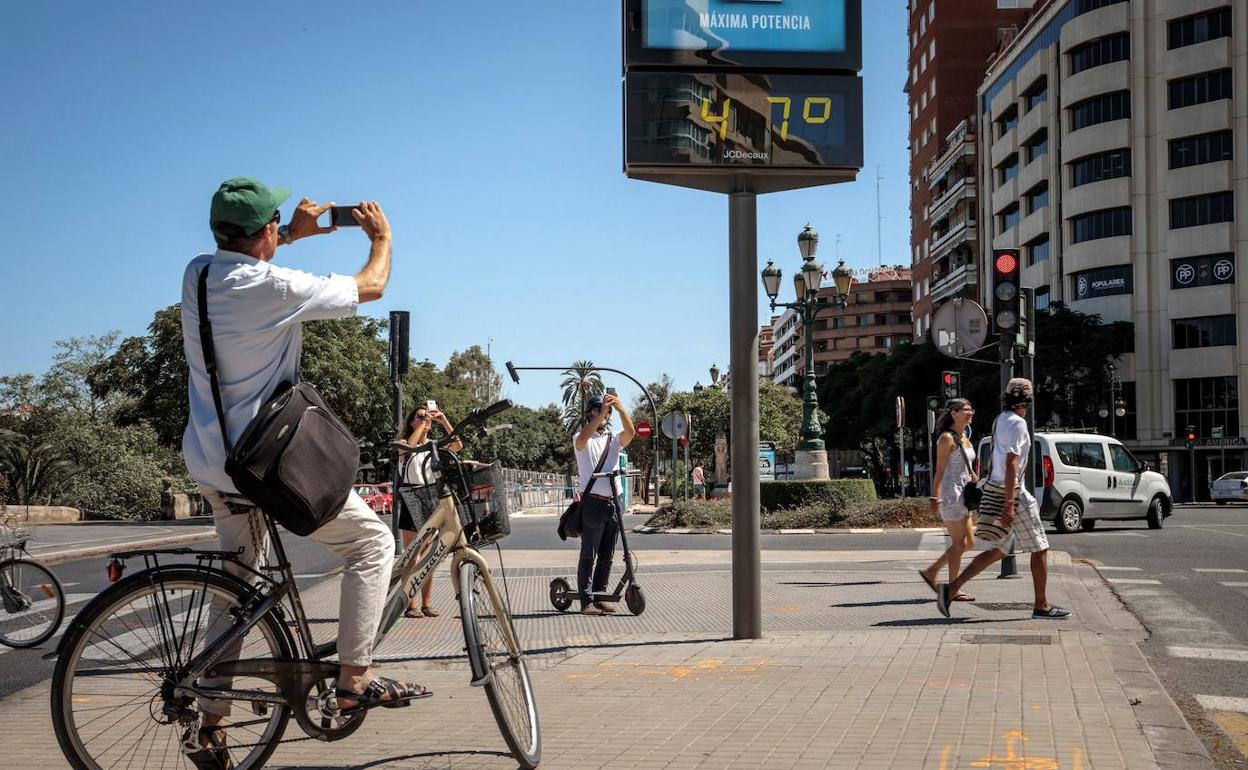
column 674, row 425
column 960, row 327
column 644, row 430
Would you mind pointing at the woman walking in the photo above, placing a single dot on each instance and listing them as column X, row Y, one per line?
column 416, row 473
column 954, row 471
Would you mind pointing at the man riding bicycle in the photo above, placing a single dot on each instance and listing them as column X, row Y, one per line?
column 257, row 310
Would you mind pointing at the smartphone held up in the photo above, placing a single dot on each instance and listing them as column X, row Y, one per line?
column 340, row 216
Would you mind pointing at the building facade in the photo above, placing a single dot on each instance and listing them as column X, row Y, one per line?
column 950, row 44
column 1114, row 156
column 875, row 320
column 766, row 340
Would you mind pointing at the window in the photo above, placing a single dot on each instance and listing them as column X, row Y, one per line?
column 931, row 11
column 1102, row 282
column 883, row 342
column 1008, row 219
column 1199, row 28
column 931, row 47
column 1036, row 95
column 903, row 318
column 1100, row 109
column 1038, row 250
column 1037, row 145
column 1099, row 167
column 1007, row 121
column 881, row 319
column 1038, row 197
column 1122, row 459
column 1198, row 89
column 864, row 320
column 1204, row 148
column 1202, row 210
column 1095, row 53
column 1206, row 403
column 1091, row 455
column 1068, row 453
column 1008, row 169
column 1042, row 299
column 1208, row 332
column 1106, row 223
column 1210, row 270
column 840, row 322
column 1087, row 6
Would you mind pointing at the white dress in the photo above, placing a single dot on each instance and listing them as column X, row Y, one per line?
column 957, row 474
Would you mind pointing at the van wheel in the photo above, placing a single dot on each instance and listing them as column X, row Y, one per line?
column 1089, row 525
column 1069, row 516
column 1156, row 512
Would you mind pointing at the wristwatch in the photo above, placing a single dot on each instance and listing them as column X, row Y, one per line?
column 283, row 235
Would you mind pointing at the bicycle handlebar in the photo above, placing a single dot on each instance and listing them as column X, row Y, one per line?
column 475, row 418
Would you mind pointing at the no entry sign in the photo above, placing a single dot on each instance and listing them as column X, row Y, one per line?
column 645, row 430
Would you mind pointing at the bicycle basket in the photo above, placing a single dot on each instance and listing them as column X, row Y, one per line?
column 487, row 499
column 420, row 501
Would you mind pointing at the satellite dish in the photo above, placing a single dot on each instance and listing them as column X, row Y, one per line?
column 960, row 327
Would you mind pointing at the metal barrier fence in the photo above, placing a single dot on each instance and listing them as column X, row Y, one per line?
column 527, row 490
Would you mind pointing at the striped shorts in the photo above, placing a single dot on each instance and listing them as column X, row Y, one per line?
column 1026, row 533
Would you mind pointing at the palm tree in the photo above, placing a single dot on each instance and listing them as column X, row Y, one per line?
column 33, row 474
column 580, row 381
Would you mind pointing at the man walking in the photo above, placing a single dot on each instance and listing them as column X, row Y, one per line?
column 699, row 482
column 598, row 525
column 1011, row 447
column 257, row 309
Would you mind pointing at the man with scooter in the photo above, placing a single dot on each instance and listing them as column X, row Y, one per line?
column 598, row 504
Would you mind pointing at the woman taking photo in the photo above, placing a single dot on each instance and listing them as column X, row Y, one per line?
column 415, row 472
column 954, row 471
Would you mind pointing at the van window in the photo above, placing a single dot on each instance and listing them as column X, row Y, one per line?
column 1123, row 461
column 1091, row 455
column 1068, row 453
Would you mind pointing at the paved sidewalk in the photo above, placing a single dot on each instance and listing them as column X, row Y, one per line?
column 856, row 671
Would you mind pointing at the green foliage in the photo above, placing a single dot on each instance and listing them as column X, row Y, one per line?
column 580, row 381
column 717, row 514
column 474, row 372
column 32, row 472
column 835, row 493
column 536, row 442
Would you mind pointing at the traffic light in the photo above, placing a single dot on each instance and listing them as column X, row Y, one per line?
column 951, row 385
column 1191, row 437
column 1005, row 290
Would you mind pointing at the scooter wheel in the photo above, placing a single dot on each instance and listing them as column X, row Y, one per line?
column 635, row 600
column 560, row 594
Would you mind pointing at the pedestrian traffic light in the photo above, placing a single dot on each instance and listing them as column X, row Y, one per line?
column 933, row 403
column 1191, row 437
column 1005, row 290
column 951, row 385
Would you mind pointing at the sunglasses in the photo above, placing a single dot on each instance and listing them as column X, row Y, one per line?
column 277, row 217
column 420, row 418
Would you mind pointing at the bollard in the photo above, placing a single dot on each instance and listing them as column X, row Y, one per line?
column 1008, row 568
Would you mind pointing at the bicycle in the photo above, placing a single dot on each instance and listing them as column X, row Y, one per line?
column 144, row 659
column 32, row 603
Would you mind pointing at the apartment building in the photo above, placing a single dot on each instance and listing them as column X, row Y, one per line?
column 1114, row 156
column 950, row 43
column 766, row 341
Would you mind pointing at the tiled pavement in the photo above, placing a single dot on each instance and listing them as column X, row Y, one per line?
column 856, row 671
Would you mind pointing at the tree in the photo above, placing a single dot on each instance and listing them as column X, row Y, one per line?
column 151, row 373
column 473, row 370
column 580, row 381
column 641, row 451
column 32, row 472
column 535, row 442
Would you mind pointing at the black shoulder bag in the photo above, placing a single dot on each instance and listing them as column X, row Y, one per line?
column 296, row 459
column 972, row 493
column 570, row 520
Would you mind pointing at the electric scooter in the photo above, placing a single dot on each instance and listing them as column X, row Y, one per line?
column 562, row 592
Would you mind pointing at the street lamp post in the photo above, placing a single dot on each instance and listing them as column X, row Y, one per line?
column 812, row 460
column 1117, row 408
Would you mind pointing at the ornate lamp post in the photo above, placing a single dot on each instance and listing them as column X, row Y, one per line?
column 1119, row 406
column 806, row 282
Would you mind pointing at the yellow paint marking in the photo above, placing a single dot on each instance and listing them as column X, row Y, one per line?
column 1012, row 760
column 1235, row 726
column 710, row 663
column 787, row 609
column 944, row 758
column 79, row 699
column 1077, row 755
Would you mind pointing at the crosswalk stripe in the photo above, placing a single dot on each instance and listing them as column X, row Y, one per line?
column 1208, row 653
column 1223, row 703
column 1104, row 568
column 1235, row 584
column 1218, row 569
column 1134, row 581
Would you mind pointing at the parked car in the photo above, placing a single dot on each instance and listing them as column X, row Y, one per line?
column 377, row 496
column 1230, row 488
column 1083, row 478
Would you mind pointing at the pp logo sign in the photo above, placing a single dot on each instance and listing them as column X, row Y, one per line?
column 1185, row 274
column 1081, row 288
column 1223, row 269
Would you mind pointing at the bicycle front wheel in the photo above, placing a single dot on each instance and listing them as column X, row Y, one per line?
column 500, row 662
column 32, row 603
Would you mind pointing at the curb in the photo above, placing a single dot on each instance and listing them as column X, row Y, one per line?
column 643, row 530
column 203, row 521
column 57, row 557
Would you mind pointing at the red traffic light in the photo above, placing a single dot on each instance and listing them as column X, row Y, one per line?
column 948, row 378
column 1191, row 437
column 682, row 442
column 1007, row 262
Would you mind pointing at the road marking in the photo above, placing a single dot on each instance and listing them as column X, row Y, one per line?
column 1208, row 653
column 1103, row 568
column 1218, row 569
column 1134, row 581
column 1214, row 531
column 1235, row 584
column 866, row 531
column 1236, row 728
column 1223, row 703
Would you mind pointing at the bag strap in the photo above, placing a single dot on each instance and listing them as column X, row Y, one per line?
column 210, row 354
column 970, row 464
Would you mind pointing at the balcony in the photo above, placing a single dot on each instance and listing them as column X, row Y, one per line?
column 954, row 281
column 960, row 232
column 959, row 144
column 963, row 189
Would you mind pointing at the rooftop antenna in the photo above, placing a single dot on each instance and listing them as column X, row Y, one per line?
column 879, row 218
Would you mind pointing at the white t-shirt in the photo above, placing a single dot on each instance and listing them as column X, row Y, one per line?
column 416, row 467
column 1009, row 437
column 256, row 309
column 587, row 460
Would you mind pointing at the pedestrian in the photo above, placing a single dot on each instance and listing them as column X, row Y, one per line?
column 954, row 470
column 1019, row 526
column 256, row 309
column 416, row 473
column 699, row 482
column 598, row 506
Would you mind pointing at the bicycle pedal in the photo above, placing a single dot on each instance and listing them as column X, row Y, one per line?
column 260, row 709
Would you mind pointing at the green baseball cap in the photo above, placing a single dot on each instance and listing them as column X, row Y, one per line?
column 245, row 202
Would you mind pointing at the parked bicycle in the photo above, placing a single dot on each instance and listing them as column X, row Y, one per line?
column 147, row 657
column 32, row 603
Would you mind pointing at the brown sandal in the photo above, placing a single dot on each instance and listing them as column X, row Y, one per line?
column 429, row 611
column 961, row 597
column 212, row 754
column 412, row 612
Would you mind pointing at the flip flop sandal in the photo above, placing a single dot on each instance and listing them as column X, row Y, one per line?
column 401, row 695
column 429, row 611
column 213, row 756
column 964, row 598
column 412, row 612
column 930, row 583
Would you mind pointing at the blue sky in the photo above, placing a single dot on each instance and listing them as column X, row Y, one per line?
column 490, row 133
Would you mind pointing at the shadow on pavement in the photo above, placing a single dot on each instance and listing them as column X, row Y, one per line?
column 834, row 585
column 438, row 759
column 885, row 603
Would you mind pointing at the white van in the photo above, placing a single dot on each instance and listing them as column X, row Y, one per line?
column 1082, row 478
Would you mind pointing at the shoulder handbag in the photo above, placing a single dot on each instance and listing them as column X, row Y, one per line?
column 570, row 520
column 972, row 492
column 992, row 504
column 296, row 459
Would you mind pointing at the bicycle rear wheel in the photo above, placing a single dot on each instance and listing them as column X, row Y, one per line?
column 500, row 663
column 32, row 603
column 113, row 699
